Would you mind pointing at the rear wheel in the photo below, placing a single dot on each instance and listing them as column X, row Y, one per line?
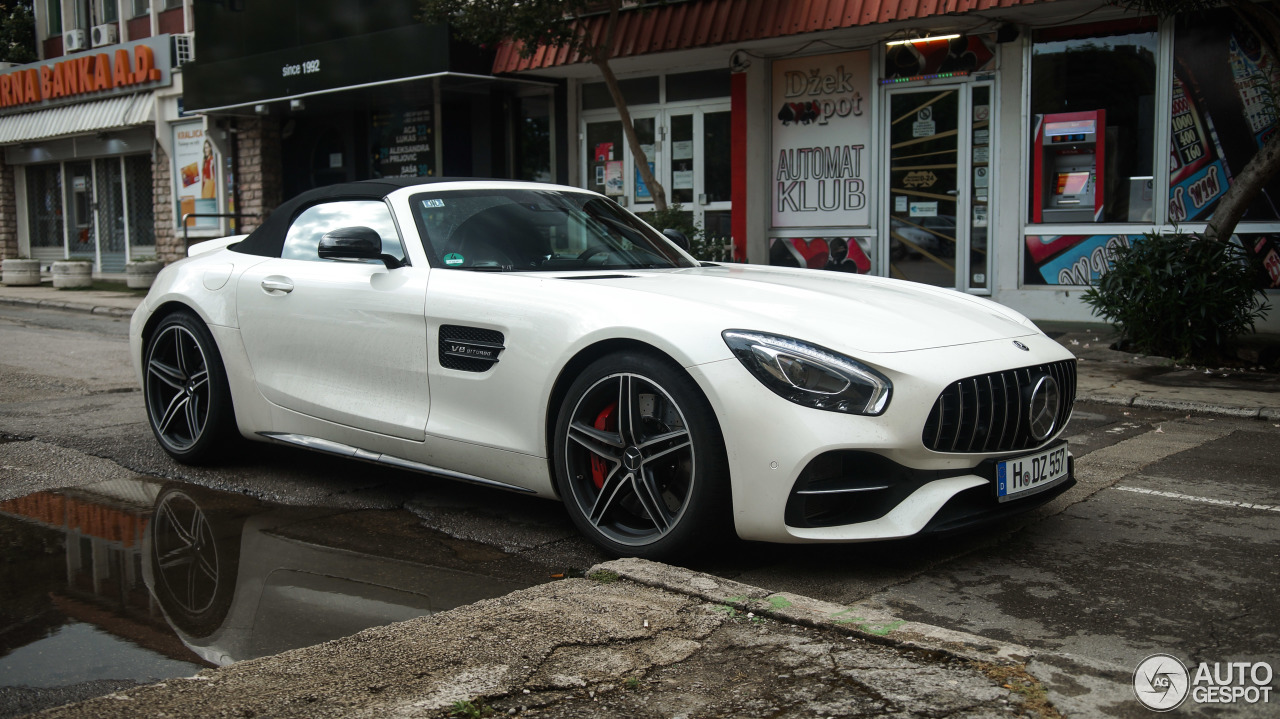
column 188, row 401
column 640, row 460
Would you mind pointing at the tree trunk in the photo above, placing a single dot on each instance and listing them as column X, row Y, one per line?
column 1244, row 189
column 656, row 191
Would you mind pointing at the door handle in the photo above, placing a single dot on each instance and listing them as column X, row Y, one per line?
column 277, row 285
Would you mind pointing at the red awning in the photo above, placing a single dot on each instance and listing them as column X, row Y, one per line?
column 702, row 23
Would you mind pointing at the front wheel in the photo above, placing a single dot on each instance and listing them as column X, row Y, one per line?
column 188, row 401
column 639, row 458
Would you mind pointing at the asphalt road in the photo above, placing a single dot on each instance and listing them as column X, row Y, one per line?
column 1170, row 542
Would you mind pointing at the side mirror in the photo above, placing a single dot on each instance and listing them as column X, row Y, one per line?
column 354, row 243
column 677, row 237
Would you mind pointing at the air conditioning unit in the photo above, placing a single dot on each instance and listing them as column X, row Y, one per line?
column 108, row 34
column 74, row 40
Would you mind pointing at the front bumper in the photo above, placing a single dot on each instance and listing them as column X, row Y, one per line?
column 771, row 442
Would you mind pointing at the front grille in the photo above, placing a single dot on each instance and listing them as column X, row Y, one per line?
column 989, row 413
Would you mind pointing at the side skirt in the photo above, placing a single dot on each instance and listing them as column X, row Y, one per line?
column 344, row 450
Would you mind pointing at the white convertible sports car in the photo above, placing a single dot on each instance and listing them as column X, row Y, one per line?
column 544, row 340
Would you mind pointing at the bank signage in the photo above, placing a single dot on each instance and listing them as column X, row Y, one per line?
column 821, row 132
column 115, row 70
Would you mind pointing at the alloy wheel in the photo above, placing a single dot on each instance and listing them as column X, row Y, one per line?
column 630, row 459
column 178, row 387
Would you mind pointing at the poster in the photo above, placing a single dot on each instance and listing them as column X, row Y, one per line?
column 1221, row 114
column 612, row 177
column 195, row 170
column 821, row 133
column 404, row 144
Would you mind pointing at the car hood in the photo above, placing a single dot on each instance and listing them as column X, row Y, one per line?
column 845, row 312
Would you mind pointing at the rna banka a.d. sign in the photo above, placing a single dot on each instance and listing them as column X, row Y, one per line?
column 821, row 134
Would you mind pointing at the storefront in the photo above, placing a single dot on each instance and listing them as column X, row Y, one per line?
column 347, row 90
column 79, row 134
column 1001, row 154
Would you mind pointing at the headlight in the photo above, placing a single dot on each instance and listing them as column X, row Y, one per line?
column 810, row 375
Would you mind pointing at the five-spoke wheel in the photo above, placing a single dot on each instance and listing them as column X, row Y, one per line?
column 188, row 403
column 639, row 457
column 194, row 556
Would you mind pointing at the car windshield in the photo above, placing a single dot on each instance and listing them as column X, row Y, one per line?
column 518, row 230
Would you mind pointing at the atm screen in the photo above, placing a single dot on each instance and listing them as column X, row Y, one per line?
column 1072, row 183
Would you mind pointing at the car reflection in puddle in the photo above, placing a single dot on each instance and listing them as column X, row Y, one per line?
column 139, row 580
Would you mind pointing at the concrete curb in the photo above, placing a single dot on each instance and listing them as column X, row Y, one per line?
column 69, row 306
column 1077, row 686
column 1175, row 405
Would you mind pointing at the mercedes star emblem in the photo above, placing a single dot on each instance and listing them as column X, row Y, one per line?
column 1042, row 409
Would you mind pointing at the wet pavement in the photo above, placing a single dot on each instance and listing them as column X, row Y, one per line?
column 135, row 580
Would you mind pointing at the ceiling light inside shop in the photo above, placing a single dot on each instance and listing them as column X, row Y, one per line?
column 921, row 40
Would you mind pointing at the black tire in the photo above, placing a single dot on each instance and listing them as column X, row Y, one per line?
column 640, row 460
column 185, row 386
column 195, row 556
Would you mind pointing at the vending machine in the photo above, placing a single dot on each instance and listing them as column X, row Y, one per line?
column 1068, row 165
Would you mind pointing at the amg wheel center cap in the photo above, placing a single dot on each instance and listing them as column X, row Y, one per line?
column 632, row 459
column 1042, row 408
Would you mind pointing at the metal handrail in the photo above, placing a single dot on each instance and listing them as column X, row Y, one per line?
column 186, row 229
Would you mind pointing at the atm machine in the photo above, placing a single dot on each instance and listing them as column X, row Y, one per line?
column 1068, row 165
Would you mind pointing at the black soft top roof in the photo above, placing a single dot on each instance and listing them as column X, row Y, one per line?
column 268, row 239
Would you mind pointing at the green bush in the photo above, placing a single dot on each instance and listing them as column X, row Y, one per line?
column 1180, row 296
column 701, row 247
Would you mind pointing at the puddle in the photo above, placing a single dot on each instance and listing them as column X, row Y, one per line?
column 142, row 580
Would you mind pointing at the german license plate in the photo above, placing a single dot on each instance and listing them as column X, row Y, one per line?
column 1031, row 473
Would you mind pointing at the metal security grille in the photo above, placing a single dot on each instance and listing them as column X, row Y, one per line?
column 44, row 206
column 141, row 195
column 989, row 413
column 111, row 219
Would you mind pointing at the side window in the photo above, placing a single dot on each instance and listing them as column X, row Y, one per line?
column 303, row 239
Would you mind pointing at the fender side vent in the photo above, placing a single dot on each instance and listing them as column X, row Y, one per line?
column 469, row 349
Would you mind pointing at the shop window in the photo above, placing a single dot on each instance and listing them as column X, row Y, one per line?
column 533, row 139
column 636, row 91
column 717, row 136
column 697, row 85
column 1222, row 113
column 1092, row 123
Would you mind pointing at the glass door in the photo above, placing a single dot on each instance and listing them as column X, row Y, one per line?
column 80, row 205
column 688, row 149
column 924, row 149
column 939, row 185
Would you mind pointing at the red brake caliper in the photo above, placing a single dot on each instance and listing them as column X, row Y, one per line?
column 607, row 421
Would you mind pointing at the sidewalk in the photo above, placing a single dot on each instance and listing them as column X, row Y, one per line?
column 1105, row 375
column 116, row 304
column 638, row 639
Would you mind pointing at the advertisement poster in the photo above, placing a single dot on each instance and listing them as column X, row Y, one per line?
column 821, row 132
column 403, row 144
column 195, row 170
column 612, row 177
column 1221, row 113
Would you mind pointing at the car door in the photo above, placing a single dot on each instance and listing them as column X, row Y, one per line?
column 341, row 340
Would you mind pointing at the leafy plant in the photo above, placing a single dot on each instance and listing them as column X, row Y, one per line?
column 1180, row 296
column 700, row 246
column 470, row 709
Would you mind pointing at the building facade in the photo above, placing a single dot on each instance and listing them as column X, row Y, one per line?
column 999, row 148
column 86, row 133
